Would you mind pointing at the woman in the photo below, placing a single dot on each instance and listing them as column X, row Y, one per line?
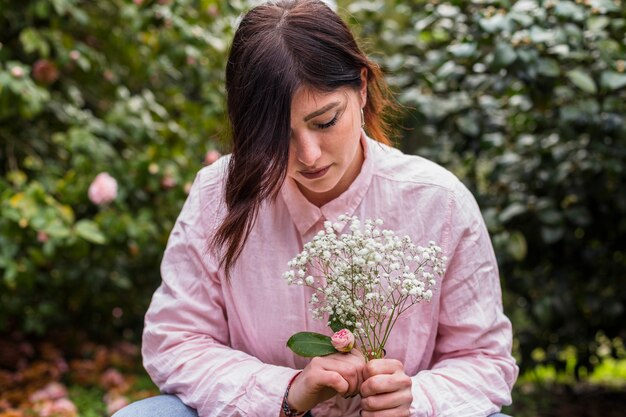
column 301, row 96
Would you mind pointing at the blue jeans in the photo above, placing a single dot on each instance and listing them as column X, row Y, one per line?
column 171, row 406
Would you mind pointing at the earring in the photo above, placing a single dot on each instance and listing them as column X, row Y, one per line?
column 362, row 118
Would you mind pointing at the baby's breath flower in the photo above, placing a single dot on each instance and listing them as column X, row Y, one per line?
column 364, row 279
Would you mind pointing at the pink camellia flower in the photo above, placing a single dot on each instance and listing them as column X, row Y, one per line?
column 115, row 403
column 103, row 189
column 42, row 236
column 211, row 156
column 168, row 181
column 45, row 71
column 343, row 340
column 112, row 378
column 52, row 391
column 17, row 72
column 64, row 407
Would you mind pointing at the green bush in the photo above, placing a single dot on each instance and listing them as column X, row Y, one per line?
column 132, row 88
column 526, row 102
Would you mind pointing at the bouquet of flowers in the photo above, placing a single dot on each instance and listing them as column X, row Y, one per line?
column 362, row 281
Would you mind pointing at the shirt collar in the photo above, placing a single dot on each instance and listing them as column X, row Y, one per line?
column 305, row 214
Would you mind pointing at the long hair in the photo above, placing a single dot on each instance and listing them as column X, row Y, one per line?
column 278, row 48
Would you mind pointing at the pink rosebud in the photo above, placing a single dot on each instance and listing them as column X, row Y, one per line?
column 42, row 236
column 45, row 71
column 343, row 340
column 212, row 10
column 52, row 391
column 64, row 407
column 117, row 312
column 168, row 181
column 103, row 189
column 211, row 156
column 17, row 72
column 115, row 403
column 111, row 378
column 74, row 55
column 108, row 75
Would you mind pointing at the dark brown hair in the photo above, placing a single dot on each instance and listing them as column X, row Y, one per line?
column 278, row 48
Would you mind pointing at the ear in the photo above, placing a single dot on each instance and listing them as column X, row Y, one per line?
column 363, row 88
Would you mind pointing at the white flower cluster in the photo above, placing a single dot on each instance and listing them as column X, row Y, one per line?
column 364, row 279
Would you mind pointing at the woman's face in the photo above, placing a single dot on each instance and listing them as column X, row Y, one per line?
column 325, row 153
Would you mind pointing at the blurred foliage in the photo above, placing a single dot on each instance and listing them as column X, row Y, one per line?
column 524, row 100
column 132, row 88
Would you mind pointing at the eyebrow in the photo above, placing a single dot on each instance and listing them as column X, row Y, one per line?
column 322, row 110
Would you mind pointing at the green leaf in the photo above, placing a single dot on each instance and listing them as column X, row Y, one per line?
column 612, row 80
column 32, row 41
column 582, row 80
column 504, row 55
column 571, row 10
column 463, row 50
column 90, row 231
column 548, row 67
column 513, row 210
column 517, row 246
column 597, row 23
column 310, row 344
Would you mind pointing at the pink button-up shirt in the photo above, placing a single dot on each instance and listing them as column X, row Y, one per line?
column 221, row 347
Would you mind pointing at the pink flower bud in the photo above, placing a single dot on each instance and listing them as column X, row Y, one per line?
column 17, row 72
column 45, row 71
column 343, row 340
column 42, row 236
column 64, row 407
column 115, row 404
column 103, row 189
column 112, row 378
column 74, row 55
column 168, row 181
column 52, row 391
column 212, row 10
column 211, row 156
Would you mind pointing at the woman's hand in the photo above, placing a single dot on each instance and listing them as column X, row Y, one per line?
column 386, row 389
column 326, row 376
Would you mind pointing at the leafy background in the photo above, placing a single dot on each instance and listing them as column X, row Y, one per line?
column 524, row 100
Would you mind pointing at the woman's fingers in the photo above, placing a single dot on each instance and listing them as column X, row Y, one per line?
column 382, row 366
column 386, row 389
column 388, row 400
column 350, row 367
column 327, row 376
column 385, row 383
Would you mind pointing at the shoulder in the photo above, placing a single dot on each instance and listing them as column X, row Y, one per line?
column 205, row 203
column 392, row 165
column 422, row 184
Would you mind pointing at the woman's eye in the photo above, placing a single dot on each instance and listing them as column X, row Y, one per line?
column 329, row 124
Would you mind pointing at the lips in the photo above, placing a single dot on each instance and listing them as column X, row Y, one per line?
column 315, row 173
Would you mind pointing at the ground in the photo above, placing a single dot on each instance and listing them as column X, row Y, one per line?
column 39, row 379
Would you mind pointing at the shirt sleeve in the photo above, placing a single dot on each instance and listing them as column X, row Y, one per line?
column 472, row 371
column 186, row 338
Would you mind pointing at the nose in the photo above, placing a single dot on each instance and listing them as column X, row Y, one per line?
column 306, row 148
